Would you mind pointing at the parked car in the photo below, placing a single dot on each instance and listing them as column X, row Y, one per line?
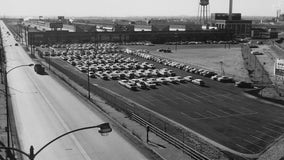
column 179, row 79
column 188, row 78
column 172, row 80
column 141, row 85
column 243, row 84
column 162, row 80
column 225, row 79
column 92, row 74
column 150, row 84
column 199, row 82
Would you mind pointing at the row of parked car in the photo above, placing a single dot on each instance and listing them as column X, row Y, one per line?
column 147, row 83
column 188, row 68
column 115, row 66
column 88, row 48
column 200, row 42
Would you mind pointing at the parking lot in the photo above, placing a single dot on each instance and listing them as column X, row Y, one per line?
column 219, row 111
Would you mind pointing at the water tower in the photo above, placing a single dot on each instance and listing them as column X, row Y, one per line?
column 203, row 11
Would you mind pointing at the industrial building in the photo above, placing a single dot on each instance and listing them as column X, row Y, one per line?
column 240, row 28
column 232, row 22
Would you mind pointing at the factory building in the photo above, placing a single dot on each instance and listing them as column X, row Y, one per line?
column 232, row 22
column 240, row 28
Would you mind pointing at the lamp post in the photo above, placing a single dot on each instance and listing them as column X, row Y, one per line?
column 89, row 95
column 88, row 73
column 7, row 101
column 104, row 130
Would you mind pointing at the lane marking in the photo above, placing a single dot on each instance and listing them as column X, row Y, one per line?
column 244, row 148
column 213, row 113
column 252, row 143
column 259, row 139
column 264, row 133
column 224, row 112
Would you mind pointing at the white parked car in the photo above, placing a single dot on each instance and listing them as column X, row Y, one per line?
column 225, row 79
column 179, row 79
column 188, row 78
column 150, row 84
column 199, row 82
column 162, row 80
column 172, row 80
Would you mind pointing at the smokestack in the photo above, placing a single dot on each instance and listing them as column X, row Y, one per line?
column 230, row 9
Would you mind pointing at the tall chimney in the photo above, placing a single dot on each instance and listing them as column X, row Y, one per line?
column 230, row 9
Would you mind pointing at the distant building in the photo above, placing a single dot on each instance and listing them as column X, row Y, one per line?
column 240, row 28
column 225, row 16
column 281, row 17
column 123, row 28
column 140, row 28
column 160, row 27
column 192, row 27
column 177, row 27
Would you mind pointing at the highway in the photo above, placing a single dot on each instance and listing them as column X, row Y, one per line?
column 45, row 109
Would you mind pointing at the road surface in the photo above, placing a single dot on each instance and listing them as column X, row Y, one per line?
column 45, row 109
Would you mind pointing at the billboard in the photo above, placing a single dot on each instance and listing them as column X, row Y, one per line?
column 279, row 69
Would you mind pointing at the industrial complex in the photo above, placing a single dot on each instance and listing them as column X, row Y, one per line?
column 203, row 88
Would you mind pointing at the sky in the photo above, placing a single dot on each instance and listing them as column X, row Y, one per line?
column 122, row 8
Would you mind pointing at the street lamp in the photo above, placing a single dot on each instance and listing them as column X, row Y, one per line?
column 104, row 130
column 88, row 72
column 7, row 101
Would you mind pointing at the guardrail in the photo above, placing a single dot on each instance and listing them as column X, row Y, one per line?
column 177, row 143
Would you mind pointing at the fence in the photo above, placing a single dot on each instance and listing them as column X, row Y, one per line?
column 258, row 75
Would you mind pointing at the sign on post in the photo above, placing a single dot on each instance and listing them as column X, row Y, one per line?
column 279, row 69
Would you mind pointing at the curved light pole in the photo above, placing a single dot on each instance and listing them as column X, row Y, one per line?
column 104, row 129
column 7, row 101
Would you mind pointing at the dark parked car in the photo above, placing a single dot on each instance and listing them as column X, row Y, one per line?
column 243, row 84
